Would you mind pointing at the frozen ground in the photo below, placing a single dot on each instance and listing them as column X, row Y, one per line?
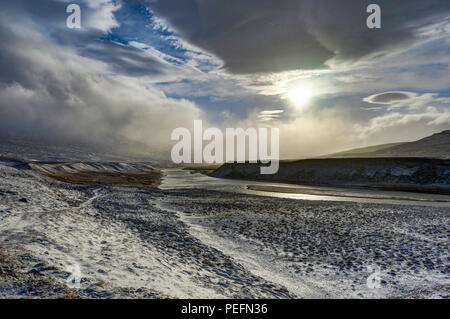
column 326, row 249
column 123, row 242
column 141, row 243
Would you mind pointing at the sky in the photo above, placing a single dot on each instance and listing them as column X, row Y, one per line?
column 137, row 69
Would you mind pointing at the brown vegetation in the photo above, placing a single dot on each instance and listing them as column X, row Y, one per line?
column 135, row 179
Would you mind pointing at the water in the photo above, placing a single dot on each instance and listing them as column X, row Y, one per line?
column 186, row 179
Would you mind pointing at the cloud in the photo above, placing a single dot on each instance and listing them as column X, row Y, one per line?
column 389, row 97
column 266, row 116
column 397, row 124
column 408, row 114
column 128, row 75
column 102, row 16
column 130, row 60
column 59, row 92
column 273, row 36
column 408, row 100
column 274, row 112
column 250, row 36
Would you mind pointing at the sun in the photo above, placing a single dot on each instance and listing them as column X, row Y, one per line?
column 299, row 95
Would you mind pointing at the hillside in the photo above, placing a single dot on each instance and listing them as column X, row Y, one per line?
column 436, row 145
column 360, row 151
column 30, row 150
column 409, row 174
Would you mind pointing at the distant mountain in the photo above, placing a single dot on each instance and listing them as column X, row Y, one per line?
column 436, row 145
column 43, row 151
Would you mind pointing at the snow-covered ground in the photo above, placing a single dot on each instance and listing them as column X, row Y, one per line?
column 134, row 242
column 326, row 249
column 124, row 244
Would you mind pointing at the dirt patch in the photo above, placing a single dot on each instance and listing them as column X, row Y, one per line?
column 134, row 179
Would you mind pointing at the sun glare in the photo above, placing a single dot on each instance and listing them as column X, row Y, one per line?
column 299, row 96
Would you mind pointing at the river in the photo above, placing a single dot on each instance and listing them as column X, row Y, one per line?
column 176, row 178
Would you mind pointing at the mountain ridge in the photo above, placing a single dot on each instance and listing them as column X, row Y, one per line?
column 436, row 145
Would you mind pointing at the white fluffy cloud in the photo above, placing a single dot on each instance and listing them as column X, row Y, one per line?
column 103, row 14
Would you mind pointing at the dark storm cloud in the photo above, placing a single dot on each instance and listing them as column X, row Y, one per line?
column 265, row 35
column 250, row 36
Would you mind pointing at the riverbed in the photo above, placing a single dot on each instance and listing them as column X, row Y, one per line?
column 176, row 178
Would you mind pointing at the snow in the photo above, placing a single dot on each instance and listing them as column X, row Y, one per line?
column 142, row 243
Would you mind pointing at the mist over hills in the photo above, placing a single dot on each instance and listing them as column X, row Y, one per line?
column 436, row 145
column 122, row 150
